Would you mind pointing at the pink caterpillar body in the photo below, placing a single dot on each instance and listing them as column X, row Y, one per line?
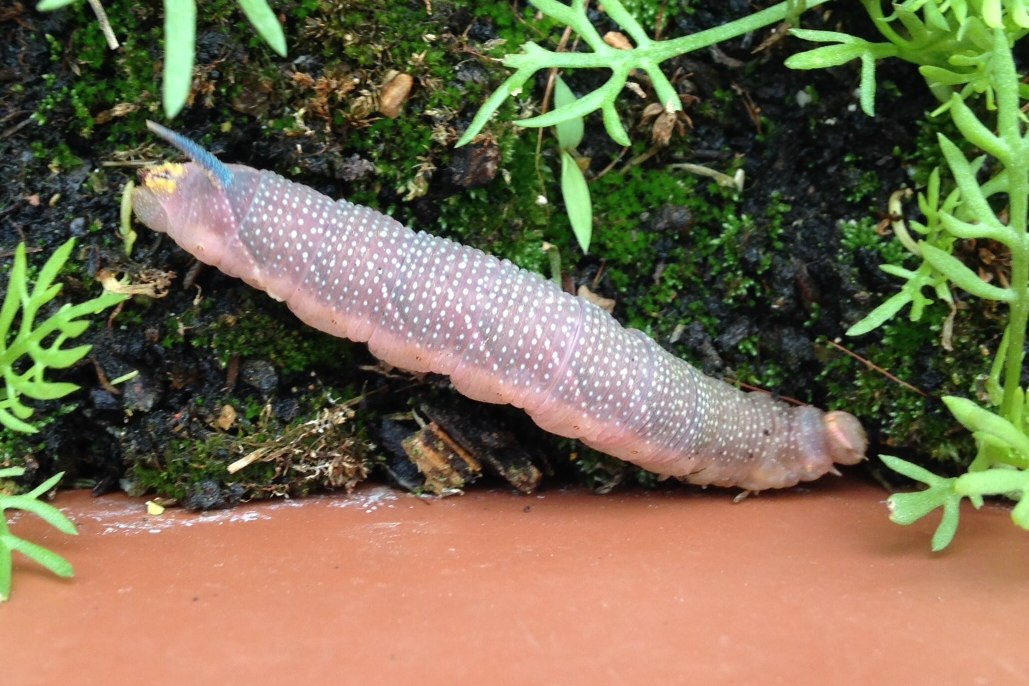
column 502, row 334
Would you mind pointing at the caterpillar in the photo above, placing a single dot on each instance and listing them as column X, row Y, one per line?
column 502, row 334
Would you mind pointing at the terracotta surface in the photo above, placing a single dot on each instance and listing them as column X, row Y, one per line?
column 379, row 587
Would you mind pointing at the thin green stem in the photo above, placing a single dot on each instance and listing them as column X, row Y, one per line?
column 663, row 50
column 1009, row 126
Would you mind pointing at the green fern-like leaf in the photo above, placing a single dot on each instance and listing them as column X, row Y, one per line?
column 28, row 348
column 10, row 543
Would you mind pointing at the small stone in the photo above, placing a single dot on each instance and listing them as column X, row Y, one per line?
column 259, row 374
column 394, row 95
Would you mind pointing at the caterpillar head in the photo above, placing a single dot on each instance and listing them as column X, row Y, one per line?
column 198, row 204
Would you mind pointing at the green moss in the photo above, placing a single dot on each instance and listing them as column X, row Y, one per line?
column 58, row 159
column 324, row 449
column 186, row 462
column 911, row 353
column 514, row 29
column 653, row 14
column 864, row 234
column 248, row 333
column 19, row 450
column 507, row 219
column 106, row 80
column 859, row 185
column 602, row 473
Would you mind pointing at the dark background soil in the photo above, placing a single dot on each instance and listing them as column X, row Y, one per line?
column 159, row 432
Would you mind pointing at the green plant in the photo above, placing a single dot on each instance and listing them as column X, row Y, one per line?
column 951, row 41
column 40, row 342
column 574, row 190
column 647, row 56
column 180, row 41
column 963, row 49
column 567, row 115
column 9, row 543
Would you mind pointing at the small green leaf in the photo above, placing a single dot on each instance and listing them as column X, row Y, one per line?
column 896, row 270
column 47, row 390
column 907, row 508
column 50, row 5
column 993, row 14
column 613, row 125
column 512, row 85
column 826, row 56
column 1020, row 513
column 910, row 470
column 961, row 276
column 976, row 133
column 986, row 229
column 667, row 95
column 51, row 268
column 48, row 513
column 880, row 315
column 973, row 200
column 577, row 108
column 945, row 77
column 1020, row 13
column 45, row 486
column 993, row 481
column 948, row 525
column 866, row 87
column 980, row 420
column 816, row 36
column 14, row 290
column 266, row 23
column 935, row 18
column 128, row 234
column 15, row 424
column 179, row 45
column 5, row 572
column 577, row 200
column 569, row 131
column 48, row 558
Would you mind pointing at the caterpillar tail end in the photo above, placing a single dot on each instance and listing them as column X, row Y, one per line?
column 844, row 437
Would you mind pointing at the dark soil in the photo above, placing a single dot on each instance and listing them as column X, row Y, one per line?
column 212, row 343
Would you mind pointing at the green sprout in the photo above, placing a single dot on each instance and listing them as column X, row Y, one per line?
column 9, row 543
column 40, row 342
column 574, row 190
column 963, row 49
column 180, row 41
column 125, row 230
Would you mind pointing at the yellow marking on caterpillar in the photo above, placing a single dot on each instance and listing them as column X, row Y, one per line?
column 164, row 178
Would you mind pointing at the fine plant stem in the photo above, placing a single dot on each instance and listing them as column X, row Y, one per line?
column 648, row 53
column 663, row 50
column 647, row 56
column 1017, row 166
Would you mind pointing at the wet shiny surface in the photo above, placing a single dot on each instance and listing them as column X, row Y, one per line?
column 806, row 586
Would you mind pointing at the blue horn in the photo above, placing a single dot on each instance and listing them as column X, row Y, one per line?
column 218, row 172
